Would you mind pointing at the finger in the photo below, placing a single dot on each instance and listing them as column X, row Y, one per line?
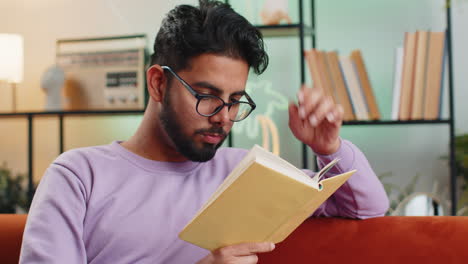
column 324, row 108
column 247, row 249
column 293, row 110
column 312, row 99
column 295, row 122
column 250, row 259
column 302, row 91
column 339, row 114
column 335, row 115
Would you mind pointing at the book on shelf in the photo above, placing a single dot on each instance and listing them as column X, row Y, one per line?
column 325, row 72
column 264, row 199
column 407, row 77
column 398, row 69
column 419, row 80
column 352, row 82
column 345, row 80
column 420, row 66
column 311, row 56
column 434, row 77
column 356, row 57
column 342, row 94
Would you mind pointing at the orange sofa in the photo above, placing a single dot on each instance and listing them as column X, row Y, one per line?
column 438, row 239
column 390, row 239
column 11, row 234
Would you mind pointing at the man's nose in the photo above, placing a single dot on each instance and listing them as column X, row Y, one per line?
column 222, row 117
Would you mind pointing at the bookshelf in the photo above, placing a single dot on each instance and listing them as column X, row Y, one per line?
column 301, row 30
column 449, row 122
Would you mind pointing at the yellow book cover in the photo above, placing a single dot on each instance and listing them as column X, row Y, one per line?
column 263, row 199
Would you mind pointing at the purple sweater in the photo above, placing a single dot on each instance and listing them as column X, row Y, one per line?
column 105, row 204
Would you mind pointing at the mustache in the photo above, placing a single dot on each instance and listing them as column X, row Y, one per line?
column 213, row 130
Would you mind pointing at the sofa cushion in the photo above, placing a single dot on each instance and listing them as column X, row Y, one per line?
column 11, row 234
column 390, row 239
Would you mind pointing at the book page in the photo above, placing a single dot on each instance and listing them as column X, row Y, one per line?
column 274, row 162
column 325, row 169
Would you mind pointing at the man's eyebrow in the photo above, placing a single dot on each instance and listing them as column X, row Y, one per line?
column 208, row 86
column 212, row 87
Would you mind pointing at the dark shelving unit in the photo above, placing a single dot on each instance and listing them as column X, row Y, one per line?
column 450, row 121
column 60, row 115
column 396, row 122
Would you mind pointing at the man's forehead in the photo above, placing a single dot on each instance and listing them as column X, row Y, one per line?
column 220, row 89
column 218, row 73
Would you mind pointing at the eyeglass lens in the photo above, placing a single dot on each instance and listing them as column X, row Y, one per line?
column 211, row 104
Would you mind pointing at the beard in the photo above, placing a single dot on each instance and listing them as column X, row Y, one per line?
column 185, row 144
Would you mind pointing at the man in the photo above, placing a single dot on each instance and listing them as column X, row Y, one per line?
column 126, row 202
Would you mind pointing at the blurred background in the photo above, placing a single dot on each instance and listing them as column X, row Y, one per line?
column 410, row 159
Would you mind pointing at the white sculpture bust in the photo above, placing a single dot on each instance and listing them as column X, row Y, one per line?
column 52, row 82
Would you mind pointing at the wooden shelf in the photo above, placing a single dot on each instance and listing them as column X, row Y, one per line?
column 81, row 112
column 286, row 30
column 396, row 122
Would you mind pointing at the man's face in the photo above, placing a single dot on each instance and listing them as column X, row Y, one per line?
column 194, row 136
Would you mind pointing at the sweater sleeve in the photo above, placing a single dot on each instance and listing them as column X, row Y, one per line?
column 54, row 228
column 362, row 196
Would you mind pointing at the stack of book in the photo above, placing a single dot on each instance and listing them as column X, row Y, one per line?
column 345, row 79
column 419, row 69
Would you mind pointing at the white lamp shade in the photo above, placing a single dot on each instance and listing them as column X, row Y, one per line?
column 11, row 57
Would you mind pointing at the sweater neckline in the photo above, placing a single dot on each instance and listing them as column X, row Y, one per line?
column 153, row 165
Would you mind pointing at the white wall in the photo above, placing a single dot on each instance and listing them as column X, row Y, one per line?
column 460, row 64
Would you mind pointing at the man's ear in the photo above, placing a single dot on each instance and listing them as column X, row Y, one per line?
column 156, row 82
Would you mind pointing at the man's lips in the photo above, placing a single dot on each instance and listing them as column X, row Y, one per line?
column 212, row 138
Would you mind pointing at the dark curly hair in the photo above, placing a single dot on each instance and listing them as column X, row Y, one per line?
column 212, row 27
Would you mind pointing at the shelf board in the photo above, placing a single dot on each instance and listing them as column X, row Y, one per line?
column 80, row 112
column 133, row 112
column 286, row 30
column 396, row 122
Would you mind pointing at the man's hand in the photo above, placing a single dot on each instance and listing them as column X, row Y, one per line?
column 245, row 253
column 316, row 121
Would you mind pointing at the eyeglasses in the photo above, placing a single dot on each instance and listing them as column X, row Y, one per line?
column 210, row 105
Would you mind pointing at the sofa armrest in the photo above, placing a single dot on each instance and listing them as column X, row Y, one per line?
column 389, row 239
column 11, row 235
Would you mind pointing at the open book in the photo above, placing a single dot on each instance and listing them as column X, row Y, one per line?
column 262, row 200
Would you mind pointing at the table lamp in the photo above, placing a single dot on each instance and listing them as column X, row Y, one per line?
column 11, row 62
